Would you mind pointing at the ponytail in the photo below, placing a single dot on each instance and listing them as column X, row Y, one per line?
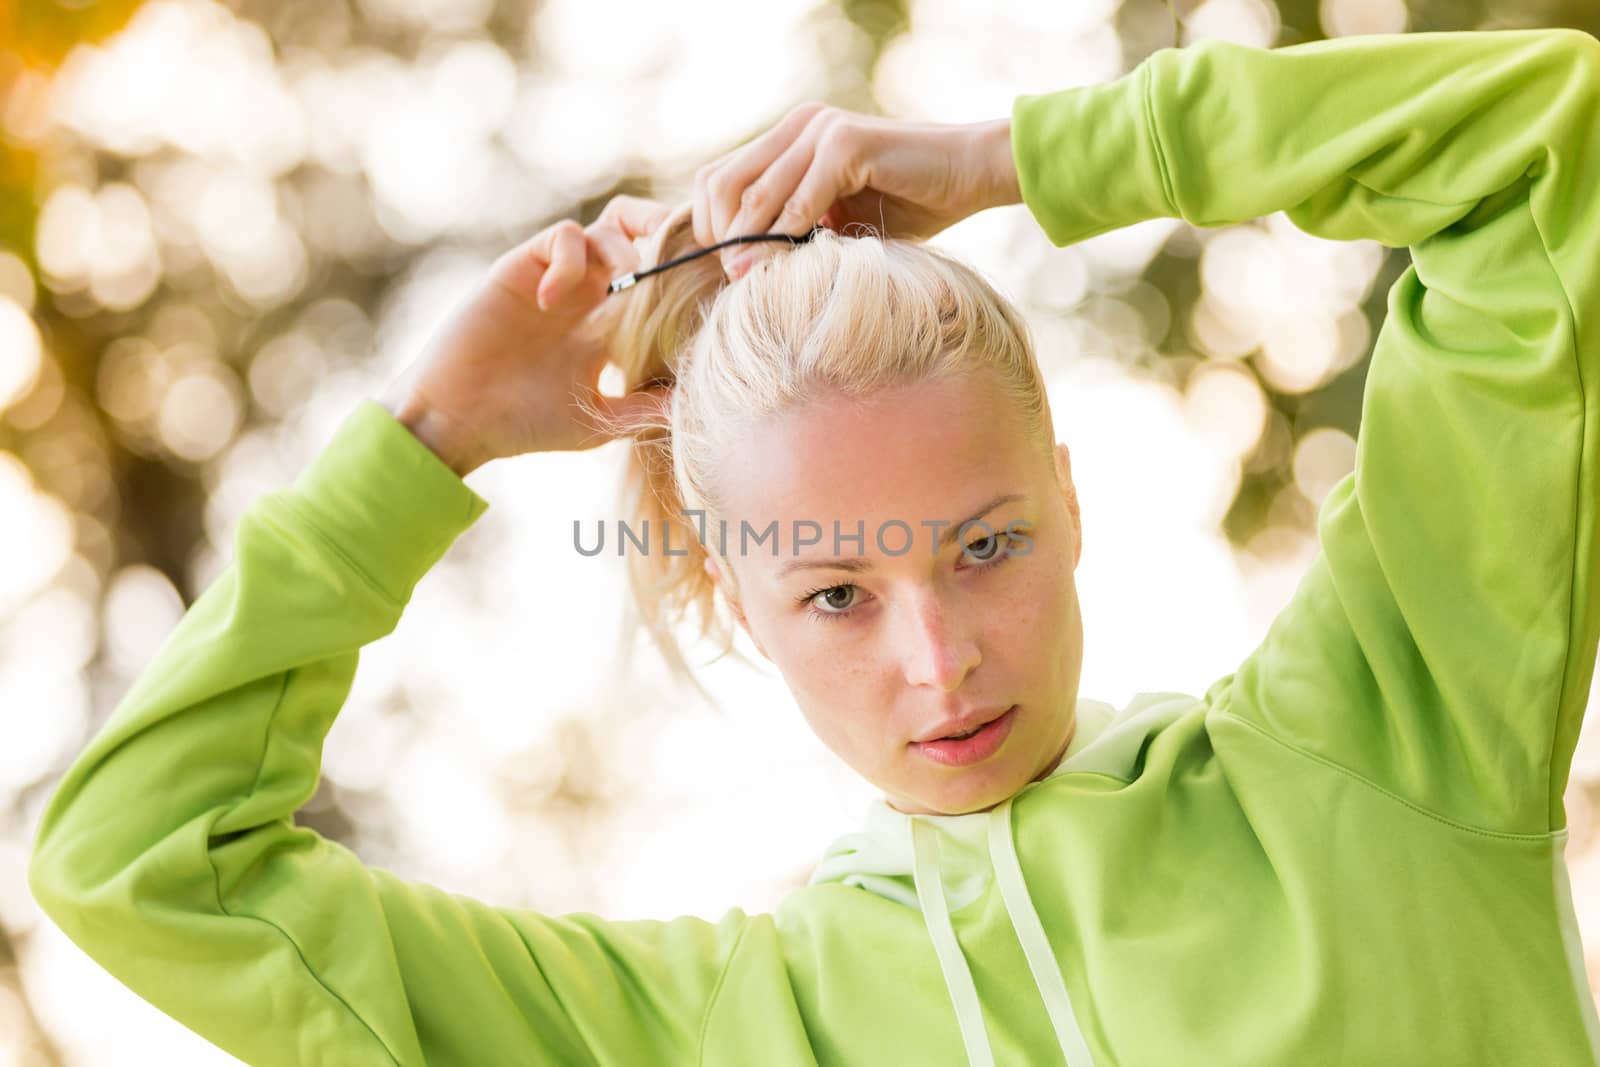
column 654, row 329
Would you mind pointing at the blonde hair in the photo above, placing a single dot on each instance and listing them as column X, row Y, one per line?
column 839, row 315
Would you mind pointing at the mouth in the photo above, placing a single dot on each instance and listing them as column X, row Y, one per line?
column 974, row 746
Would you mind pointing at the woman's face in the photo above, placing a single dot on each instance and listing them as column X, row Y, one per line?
column 885, row 645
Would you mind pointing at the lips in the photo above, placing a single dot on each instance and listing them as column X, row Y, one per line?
column 968, row 723
column 971, row 750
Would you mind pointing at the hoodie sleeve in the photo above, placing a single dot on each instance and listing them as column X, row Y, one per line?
column 1442, row 643
column 169, row 851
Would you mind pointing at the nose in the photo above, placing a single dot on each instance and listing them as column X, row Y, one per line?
column 941, row 648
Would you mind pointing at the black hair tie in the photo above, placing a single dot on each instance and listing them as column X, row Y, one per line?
column 628, row 280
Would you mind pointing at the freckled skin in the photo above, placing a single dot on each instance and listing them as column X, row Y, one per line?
column 926, row 635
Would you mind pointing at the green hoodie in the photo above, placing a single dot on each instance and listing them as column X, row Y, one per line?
column 1348, row 851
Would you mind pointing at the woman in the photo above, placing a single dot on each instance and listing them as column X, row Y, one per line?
column 1349, row 850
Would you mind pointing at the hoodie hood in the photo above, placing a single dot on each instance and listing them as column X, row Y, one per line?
column 941, row 863
column 878, row 858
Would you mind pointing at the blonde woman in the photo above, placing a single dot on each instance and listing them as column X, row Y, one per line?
column 1348, row 850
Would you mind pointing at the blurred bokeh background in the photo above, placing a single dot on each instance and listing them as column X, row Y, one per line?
column 222, row 224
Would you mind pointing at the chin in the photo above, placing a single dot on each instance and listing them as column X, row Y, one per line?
column 980, row 793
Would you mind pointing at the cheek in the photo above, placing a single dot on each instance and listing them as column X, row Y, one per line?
column 832, row 727
column 835, row 692
column 843, row 722
column 1034, row 617
column 806, row 653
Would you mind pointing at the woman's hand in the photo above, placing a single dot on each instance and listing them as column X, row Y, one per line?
column 504, row 374
column 838, row 167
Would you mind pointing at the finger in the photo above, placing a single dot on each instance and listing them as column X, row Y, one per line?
column 726, row 186
column 833, row 173
column 523, row 267
column 615, row 252
column 621, row 222
column 818, row 186
column 830, row 176
column 635, row 216
column 568, row 263
column 770, row 196
column 701, row 215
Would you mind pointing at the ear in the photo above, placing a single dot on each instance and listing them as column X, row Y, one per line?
column 1069, row 493
column 724, row 583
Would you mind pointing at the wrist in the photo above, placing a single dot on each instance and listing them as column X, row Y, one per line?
column 443, row 434
column 1000, row 162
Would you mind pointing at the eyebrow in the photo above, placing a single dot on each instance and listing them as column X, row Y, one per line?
column 859, row 564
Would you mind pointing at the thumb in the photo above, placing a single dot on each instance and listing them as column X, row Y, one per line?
column 615, row 251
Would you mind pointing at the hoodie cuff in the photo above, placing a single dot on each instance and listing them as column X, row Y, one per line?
column 1087, row 158
column 385, row 500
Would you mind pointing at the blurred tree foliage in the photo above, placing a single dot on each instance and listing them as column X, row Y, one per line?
column 155, row 511
column 35, row 35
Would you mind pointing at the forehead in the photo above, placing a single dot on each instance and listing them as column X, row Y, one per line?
column 927, row 452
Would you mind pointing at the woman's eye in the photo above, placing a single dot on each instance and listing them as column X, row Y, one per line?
column 834, row 602
column 985, row 549
column 837, row 598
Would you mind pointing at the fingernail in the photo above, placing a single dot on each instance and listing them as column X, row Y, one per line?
column 739, row 265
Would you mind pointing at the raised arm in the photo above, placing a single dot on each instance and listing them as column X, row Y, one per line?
column 1442, row 644
column 169, row 851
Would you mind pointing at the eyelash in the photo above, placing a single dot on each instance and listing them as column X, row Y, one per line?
column 834, row 616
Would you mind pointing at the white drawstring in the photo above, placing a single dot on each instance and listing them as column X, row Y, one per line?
column 936, row 916
column 929, row 877
column 1030, row 932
